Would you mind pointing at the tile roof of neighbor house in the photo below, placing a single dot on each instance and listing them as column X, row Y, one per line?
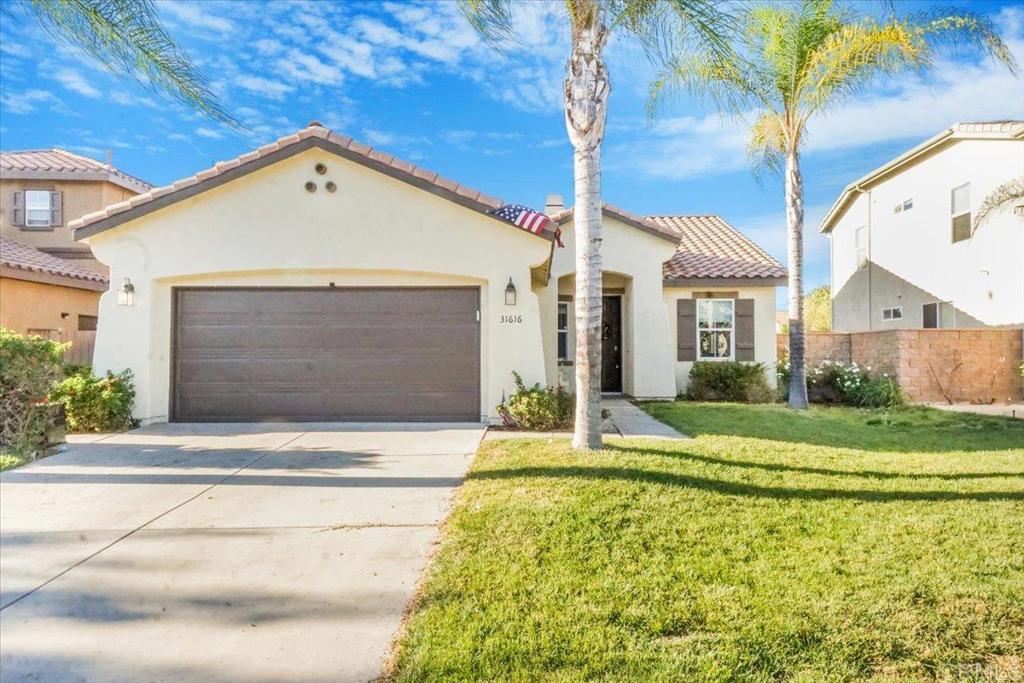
column 59, row 164
column 23, row 257
column 711, row 248
column 1005, row 129
column 313, row 135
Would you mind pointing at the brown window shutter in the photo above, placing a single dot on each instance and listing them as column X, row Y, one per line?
column 686, row 329
column 56, row 208
column 18, row 209
column 744, row 329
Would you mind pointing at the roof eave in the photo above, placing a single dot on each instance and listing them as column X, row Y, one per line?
column 566, row 215
column 761, row 281
column 47, row 278
column 76, row 176
column 314, row 141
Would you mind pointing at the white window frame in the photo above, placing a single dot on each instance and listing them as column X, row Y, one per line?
column 29, row 194
column 895, row 313
column 953, row 215
column 861, row 252
column 563, row 330
column 731, row 329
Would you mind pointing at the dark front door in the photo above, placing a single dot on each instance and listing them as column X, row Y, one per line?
column 362, row 354
column 611, row 344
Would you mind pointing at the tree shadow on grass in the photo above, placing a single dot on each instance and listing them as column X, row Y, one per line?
column 779, row 467
column 733, row 488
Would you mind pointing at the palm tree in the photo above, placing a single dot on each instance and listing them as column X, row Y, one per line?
column 1009, row 194
column 585, row 95
column 794, row 61
column 126, row 37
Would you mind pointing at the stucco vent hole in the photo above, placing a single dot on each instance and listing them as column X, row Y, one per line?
column 320, row 168
column 330, row 186
column 310, row 186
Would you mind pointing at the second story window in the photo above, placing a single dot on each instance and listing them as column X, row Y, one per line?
column 960, row 208
column 861, row 239
column 563, row 331
column 37, row 208
column 895, row 313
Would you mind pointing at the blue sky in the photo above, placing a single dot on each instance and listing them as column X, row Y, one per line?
column 413, row 78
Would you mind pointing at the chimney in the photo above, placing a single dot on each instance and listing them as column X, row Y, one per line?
column 110, row 158
column 554, row 204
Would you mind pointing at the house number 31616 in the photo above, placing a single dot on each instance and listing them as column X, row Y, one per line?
column 511, row 319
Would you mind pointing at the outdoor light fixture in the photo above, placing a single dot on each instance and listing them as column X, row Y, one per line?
column 510, row 294
column 126, row 295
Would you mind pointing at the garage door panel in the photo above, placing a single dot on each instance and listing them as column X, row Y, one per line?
column 330, row 354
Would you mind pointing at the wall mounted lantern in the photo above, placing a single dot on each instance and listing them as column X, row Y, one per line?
column 126, row 295
column 510, row 294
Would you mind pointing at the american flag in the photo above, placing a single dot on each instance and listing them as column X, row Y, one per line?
column 525, row 218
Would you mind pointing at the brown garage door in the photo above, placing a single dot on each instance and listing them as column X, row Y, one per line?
column 326, row 354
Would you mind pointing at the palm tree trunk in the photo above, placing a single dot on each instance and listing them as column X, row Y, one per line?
column 586, row 99
column 795, row 243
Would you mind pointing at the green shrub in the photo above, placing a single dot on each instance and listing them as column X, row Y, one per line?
column 96, row 404
column 29, row 366
column 729, row 381
column 537, row 408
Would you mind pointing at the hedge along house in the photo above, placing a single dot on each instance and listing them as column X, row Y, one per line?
column 318, row 279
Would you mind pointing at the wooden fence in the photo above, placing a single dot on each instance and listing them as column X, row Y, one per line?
column 82, row 346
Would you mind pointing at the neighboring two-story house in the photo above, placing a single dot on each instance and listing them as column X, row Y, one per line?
column 905, row 253
column 50, row 284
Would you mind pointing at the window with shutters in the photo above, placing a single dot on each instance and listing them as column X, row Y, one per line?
column 563, row 331
column 861, row 238
column 716, row 323
column 960, row 208
column 37, row 208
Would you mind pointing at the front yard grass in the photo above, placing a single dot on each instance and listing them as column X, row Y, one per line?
column 829, row 545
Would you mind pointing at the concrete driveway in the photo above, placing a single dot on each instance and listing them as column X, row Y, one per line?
column 221, row 553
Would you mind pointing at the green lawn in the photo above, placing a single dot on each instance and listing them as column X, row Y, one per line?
column 830, row 545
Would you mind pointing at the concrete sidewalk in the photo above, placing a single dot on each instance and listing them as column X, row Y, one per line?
column 258, row 553
column 625, row 420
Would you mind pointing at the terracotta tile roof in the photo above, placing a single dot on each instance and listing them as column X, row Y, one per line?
column 631, row 219
column 23, row 257
column 60, row 164
column 711, row 248
column 314, row 133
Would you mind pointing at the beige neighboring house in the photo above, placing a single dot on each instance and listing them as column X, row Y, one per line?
column 904, row 251
column 316, row 278
column 47, row 296
column 42, row 190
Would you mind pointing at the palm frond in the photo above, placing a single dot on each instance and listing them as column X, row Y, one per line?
column 849, row 58
column 492, row 19
column 726, row 83
column 1000, row 199
column 957, row 28
column 767, row 146
column 126, row 36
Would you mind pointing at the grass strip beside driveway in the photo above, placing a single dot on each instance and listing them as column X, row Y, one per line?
column 836, row 544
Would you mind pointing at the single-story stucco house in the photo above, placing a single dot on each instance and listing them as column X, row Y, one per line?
column 318, row 279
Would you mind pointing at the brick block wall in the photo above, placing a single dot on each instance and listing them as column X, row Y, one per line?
column 965, row 365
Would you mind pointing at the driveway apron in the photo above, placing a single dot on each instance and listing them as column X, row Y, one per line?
column 249, row 553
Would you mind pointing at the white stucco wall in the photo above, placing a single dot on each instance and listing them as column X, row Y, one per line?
column 983, row 276
column 764, row 327
column 266, row 229
column 632, row 260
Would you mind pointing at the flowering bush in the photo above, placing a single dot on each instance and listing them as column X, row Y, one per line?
column 846, row 383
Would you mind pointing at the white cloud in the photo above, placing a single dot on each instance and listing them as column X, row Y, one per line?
column 268, row 46
column 380, row 138
column 25, row 102
column 196, row 14
column 178, row 136
column 205, row 132
column 271, row 89
column 72, row 80
column 127, row 99
column 307, row 67
column 14, row 49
